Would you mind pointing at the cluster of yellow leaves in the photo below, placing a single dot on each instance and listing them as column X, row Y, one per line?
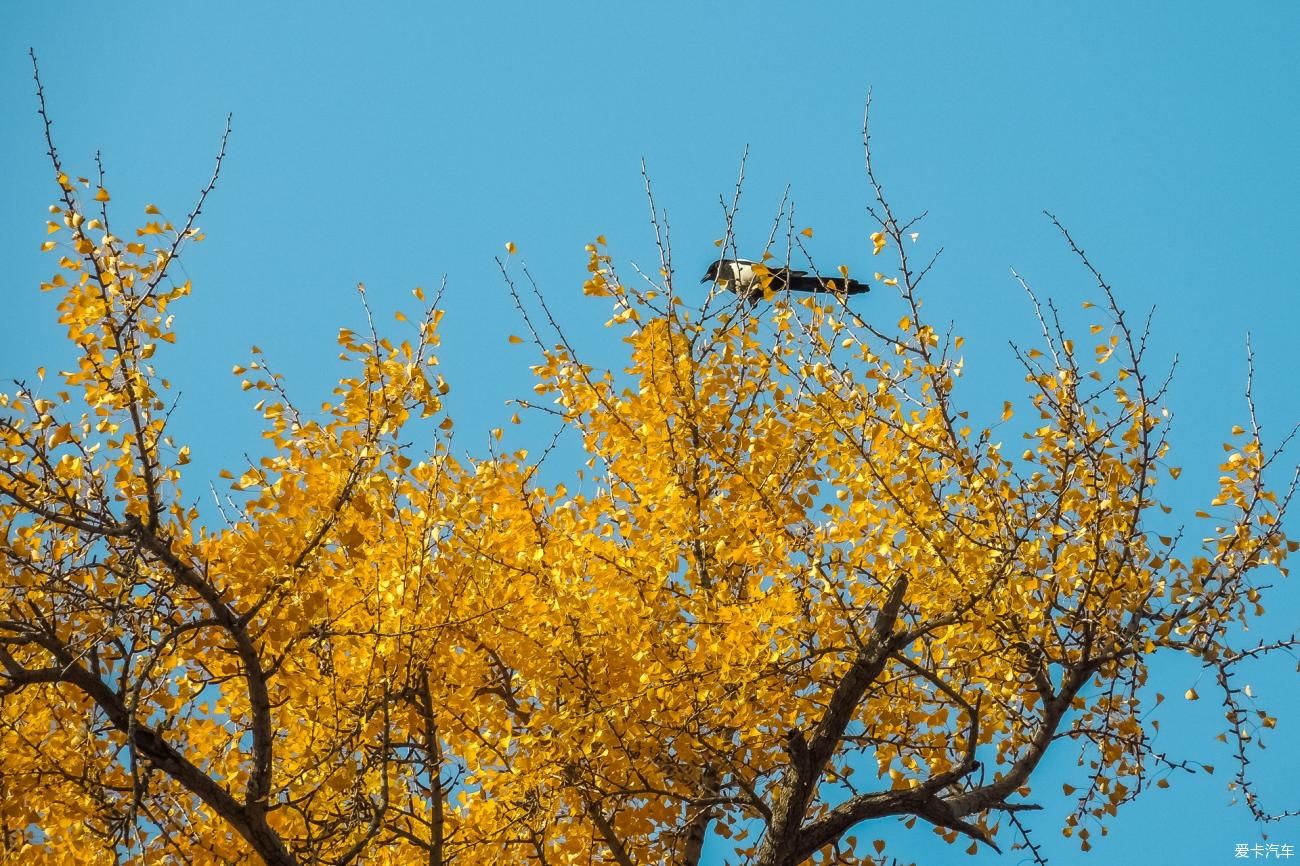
column 456, row 659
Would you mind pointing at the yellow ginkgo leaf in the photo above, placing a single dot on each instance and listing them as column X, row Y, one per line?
column 101, row 195
column 510, row 247
column 808, row 232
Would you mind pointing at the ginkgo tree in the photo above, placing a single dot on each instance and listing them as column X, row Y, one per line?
column 791, row 589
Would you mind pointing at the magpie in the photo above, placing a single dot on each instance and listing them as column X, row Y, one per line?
column 745, row 278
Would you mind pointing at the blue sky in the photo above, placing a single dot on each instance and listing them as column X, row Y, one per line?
column 407, row 143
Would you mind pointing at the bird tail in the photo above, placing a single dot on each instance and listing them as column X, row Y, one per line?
column 840, row 285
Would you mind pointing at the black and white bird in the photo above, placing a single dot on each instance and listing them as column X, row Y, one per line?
column 746, row 279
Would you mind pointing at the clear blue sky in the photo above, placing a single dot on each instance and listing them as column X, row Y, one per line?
column 397, row 143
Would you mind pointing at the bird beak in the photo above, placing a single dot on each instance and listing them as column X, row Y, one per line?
column 707, row 279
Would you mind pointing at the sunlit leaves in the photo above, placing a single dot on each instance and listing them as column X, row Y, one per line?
column 530, row 657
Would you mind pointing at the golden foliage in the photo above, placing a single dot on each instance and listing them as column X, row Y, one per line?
column 794, row 588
